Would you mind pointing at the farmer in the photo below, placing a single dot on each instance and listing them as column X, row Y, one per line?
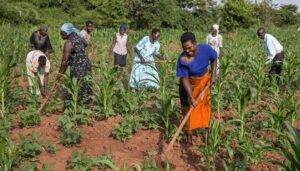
column 192, row 69
column 86, row 32
column 74, row 56
column 275, row 54
column 215, row 40
column 39, row 40
column 120, row 47
column 38, row 67
column 144, row 73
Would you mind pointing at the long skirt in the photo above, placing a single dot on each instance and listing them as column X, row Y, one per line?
column 200, row 116
column 144, row 76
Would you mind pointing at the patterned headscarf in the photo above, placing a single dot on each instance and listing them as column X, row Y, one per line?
column 69, row 28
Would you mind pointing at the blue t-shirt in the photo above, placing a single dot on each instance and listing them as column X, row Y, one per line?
column 205, row 55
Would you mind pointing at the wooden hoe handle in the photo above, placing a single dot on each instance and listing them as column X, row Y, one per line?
column 49, row 97
column 186, row 117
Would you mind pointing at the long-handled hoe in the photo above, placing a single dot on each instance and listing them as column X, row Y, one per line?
column 164, row 155
column 49, row 97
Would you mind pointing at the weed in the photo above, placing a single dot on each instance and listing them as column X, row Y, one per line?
column 70, row 137
column 29, row 118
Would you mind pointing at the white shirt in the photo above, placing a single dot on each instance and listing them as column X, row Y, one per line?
column 32, row 60
column 86, row 36
column 216, row 42
column 272, row 46
column 121, row 42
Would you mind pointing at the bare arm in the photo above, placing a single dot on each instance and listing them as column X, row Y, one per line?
column 188, row 88
column 139, row 55
column 66, row 55
column 213, row 71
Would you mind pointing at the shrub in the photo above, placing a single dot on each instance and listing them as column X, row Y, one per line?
column 29, row 118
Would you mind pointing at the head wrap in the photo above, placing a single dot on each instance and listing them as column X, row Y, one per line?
column 69, row 28
column 43, row 27
column 216, row 27
column 123, row 27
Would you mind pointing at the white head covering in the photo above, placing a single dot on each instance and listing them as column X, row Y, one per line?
column 216, row 27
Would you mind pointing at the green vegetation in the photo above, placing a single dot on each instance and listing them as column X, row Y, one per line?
column 248, row 102
column 141, row 14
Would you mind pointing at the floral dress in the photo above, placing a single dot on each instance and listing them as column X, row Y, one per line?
column 80, row 65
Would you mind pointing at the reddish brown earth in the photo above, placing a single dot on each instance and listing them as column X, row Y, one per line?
column 97, row 141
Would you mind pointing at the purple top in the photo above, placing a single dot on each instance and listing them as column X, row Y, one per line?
column 198, row 66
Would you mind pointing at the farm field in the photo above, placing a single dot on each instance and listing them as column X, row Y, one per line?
column 126, row 130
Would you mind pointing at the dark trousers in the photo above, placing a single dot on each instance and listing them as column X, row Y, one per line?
column 277, row 62
column 120, row 60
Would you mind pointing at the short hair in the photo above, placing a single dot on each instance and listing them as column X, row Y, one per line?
column 155, row 30
column 43, row 27
column 188, row 36
column 42, row 60
column 88, row 22
column 261, row 29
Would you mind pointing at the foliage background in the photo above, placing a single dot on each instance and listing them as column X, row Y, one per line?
column 145, row 14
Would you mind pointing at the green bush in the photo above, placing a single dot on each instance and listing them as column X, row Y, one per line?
column 29, row 118
column 19, row 13
column 237, row 13
column 29, row 147
column 70, row 137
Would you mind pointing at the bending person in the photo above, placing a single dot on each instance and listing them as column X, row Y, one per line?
column 194, row 76
column 38, row 67
column 144, row 73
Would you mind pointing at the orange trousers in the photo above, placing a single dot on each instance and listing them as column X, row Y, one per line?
column 200, row 116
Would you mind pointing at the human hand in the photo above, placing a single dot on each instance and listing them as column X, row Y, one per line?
column 193, row 102
column 143, row 60
column 43, row 92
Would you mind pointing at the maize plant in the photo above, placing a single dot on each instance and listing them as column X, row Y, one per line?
column 282, row 110
column 290, row 148
column 105, row 88
column 258, row 74
column 243, row 96
column 212, row 145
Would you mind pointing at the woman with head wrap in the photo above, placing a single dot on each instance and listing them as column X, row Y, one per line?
column 39, row 40
column 120, row 47
column 215, row 40
column 74, row 56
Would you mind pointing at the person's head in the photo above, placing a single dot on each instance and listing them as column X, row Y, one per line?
column 215, row 29
column 189, row 43
column 261, row 32
column 66, row 29
column 122, row 29
column 155, row 34
column 42, row 61
column 89, row 26
column 43, row 30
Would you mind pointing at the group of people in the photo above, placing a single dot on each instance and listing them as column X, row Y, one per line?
column 197, row 64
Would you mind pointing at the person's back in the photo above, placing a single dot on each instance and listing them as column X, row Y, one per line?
column 274, row 42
